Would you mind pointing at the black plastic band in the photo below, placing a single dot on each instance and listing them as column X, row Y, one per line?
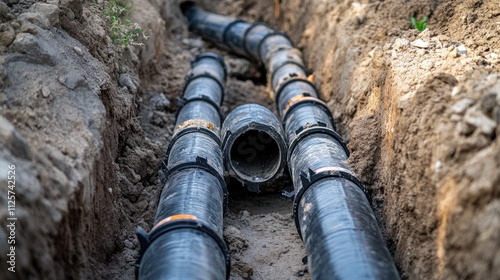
column 148, row 239
column 183, row 102
column 308, row 101
column 309, row 179
column 200, row 163
column 288, row 81
column 316, row 128
column 189, row 79
column 275, row 33
column 252, row 26
column 286, row 62
column 211, row 55
column 226, row 30
column 191, row 129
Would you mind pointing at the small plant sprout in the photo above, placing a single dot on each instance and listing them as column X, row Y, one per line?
column 123, row 32
column 421, row 24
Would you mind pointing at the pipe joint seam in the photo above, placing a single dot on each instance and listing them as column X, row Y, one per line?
column 226, row 40
column 312, row 129
column 246, row 45
column 202, row 129
column 199, row 163
column 270, row 35
column 183, row 102
column 146, row 239
column 308, row 179
column 292, row 79
column 215, row 56
column 305, row 100
column 188, row 79
column 282, row 55
column 284, row 63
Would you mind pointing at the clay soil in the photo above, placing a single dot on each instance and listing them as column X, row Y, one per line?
column 420, row 111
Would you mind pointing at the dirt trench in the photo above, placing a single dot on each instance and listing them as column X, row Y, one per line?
column 88, row 130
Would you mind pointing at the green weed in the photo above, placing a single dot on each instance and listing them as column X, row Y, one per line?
column 421, row 24
column 123, row 32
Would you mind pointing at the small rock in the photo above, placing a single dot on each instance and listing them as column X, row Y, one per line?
column 160, row 101
column 110, row 190
column 465, row 128
column 419, row 43
column 125, row 80
column 36, row 19
column 372, row 52
column 437, row 165
column 492, row 55
column 15, row 24
column 462, row 50
column 51, row 12
column 45, row 91
column 7, row 34
column 463, row 104
column 426, row 65
column 70, row 151
column 405, row 100
column 479, row 120
column 455, row 91
column 4, row 12
column 488, row 102
column 130, row 259
column 455, row 117
column 78, row 51
column 72, row 80
column 437, row 41
column 128, row 244
column 453, row 52
column 159, row 119
column 400, row 44
column 194, row 43
column 421, row 52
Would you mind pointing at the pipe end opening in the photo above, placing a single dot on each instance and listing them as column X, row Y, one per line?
column 255, row 156
column 185, row 6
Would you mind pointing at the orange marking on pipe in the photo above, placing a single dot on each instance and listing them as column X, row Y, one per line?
column 175, row 217
column 295, row 100
column 311, row 77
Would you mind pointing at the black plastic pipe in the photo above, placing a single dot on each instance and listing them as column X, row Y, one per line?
column 332, row 213
column 186, row 241
column 253, row 145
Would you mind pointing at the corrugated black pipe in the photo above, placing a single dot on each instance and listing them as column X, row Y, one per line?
column 253, row 145
column 331, row 210
column 186, row 241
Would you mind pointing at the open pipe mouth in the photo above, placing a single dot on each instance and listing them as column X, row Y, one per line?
column 254, row 147
column 255, row 156
column 186, row 5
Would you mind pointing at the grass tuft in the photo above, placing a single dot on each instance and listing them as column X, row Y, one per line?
column 123, row 32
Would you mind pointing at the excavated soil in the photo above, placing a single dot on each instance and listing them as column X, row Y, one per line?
column 87, row 124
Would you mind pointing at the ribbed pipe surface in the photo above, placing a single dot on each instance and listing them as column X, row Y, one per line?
column 331, row 211
column 186, row 241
